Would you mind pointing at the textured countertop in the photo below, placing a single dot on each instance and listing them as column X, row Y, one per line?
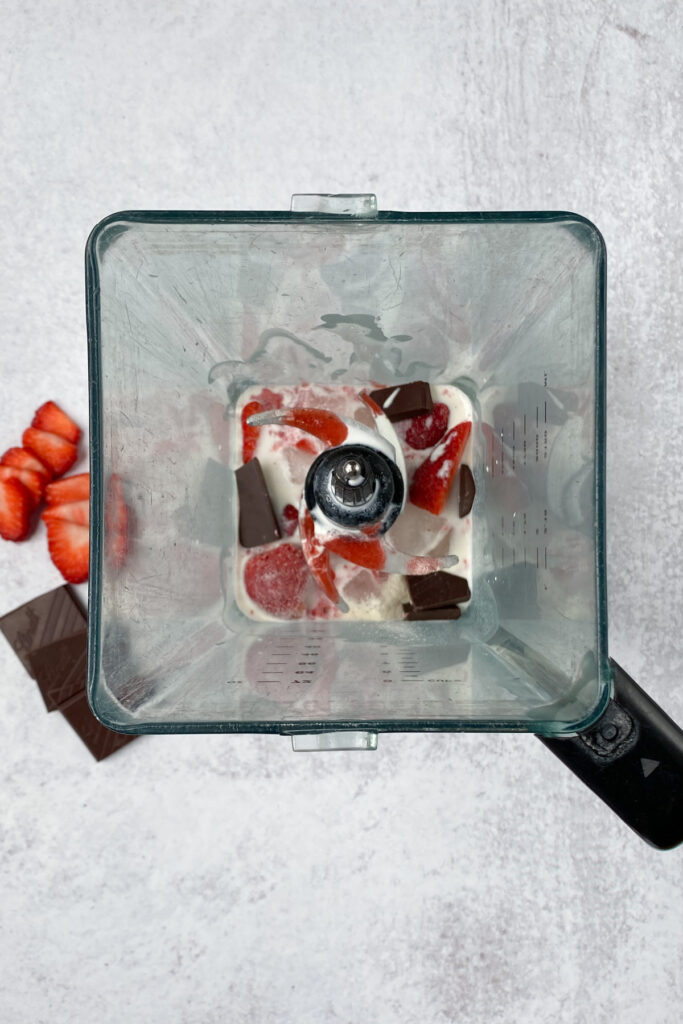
column 465, row 878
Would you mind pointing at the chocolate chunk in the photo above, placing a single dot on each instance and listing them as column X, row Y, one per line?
column 100, row 741
column 467, row 491
column 437, row 590
column 258, row 524
column 427, row 614
column 404, row 400
column 60, row 668
column 46, row 618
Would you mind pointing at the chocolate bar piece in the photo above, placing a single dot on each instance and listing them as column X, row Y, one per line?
column 258, row 524
column 37, row 623
column 60, row 668
column 426, row 614
column 404, row 400
column 100, row 741
column 437, row 590
column 467, row 491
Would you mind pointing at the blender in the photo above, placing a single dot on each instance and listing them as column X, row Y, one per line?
column 193, row 318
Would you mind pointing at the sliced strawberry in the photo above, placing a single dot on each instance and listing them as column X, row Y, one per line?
column 55, row 421
column 425, row 431
column 68, row 544
column 53, row 450
column 290, row 517
column 73, row 511
column 16, row 504
column 434, row 476
column 265, row 400
column 71, row 488
column 33, row 482
column 20, row 458
column 275, row 580
column 117, row 523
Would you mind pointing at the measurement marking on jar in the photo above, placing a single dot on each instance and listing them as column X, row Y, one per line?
column 537, row 565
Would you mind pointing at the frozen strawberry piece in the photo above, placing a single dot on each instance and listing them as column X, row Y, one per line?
column 325, row 425
column 275, row 580
column 32, row 481
column 117, row 523
column 433, row 477
column 73, row 511
column 55, row 421
column 262, row 402
column 366, row 552
column 20, row 458
column 426, row 431
column 68, row 544
column 16, row 504
column 290, row 518
column 71, row 488
column 306, row 445
column 53, row 450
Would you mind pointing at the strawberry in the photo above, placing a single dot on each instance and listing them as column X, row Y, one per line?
column 290, row 518
column 20, row 458
column 434, row 476
column 68, row 544
column 73, row 511
column 55, row 421
column 15, row 509
column 71, row 488
column 53, row 450
column 116, row 520
column 266, row 399
column 32, row 481
column 425, row 431
column 275, row 580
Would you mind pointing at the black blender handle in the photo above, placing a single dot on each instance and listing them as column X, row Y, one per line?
column 632, row 758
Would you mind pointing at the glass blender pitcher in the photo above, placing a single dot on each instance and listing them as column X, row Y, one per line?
column 193, row 315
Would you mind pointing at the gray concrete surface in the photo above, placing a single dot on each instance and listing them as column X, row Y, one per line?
column 444, row 878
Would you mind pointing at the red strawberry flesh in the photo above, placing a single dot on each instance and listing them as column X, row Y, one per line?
column 425, row 431
column 433, row 477
column 32, row 481
column 21, row 458
column 68, row 544
column 55, row 421
column 71, row 488
column 15, row 509
column 53, row 450
column 275, row 580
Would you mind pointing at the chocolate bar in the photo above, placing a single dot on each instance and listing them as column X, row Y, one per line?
column 404, row 400
column 257, row 524
column 60, row 669
column 467, row 491
column 46, row 618
column 437, row 590
column 426, row 614
column 100, row 741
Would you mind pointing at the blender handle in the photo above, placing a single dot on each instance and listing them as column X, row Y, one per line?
column 632, row 758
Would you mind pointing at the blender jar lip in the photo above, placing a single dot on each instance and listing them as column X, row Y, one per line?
column 115, row 224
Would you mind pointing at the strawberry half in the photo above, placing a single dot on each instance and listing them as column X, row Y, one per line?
column 434, row 476
column 55, row 421
column 71, row 488
column 20, row 458
column 32, row 481
column 68, row 544
column 117, row 523
column 73, row 511
column 56, row 452
column 15, row 509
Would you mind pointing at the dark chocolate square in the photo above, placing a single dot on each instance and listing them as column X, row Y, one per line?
column 100, row 741
column 258, row 524
column 60, row 669
column 37, row 623
column 404, row 401
column 437, row 590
